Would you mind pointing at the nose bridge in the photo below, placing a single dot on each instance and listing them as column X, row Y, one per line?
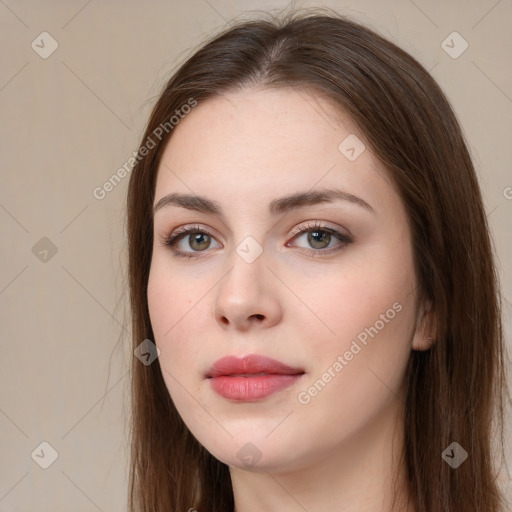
column 245, row 294
column 247, row 266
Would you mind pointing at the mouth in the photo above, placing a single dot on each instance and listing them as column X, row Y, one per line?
column 247, row 374
column 251, row 378
column 251, row 365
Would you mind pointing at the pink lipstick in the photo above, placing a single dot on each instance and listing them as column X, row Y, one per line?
column 250, row 378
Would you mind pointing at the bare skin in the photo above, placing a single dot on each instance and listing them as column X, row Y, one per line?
column 304, row 301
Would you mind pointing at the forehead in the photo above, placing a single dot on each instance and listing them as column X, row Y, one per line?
column 266, row 140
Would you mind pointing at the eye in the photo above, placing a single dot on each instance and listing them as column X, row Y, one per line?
column 320, row 236
column 196, row 238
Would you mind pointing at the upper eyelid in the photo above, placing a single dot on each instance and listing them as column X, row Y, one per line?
column 309, row 225
column 300, row 228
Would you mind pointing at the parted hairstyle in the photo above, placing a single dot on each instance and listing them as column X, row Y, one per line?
column 456, row 390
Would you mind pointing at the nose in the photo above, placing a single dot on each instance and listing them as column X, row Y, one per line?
column 248, row 297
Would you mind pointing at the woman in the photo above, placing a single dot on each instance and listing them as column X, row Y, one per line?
column 310, row 254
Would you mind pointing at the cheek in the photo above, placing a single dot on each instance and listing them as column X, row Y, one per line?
column 359, row 371
column 171, row 297
column 372, row 293
column 368, row 317
column 177, row 312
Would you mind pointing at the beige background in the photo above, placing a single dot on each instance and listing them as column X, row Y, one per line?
column 68, row 123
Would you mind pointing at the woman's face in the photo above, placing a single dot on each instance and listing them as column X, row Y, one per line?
column 336, row 302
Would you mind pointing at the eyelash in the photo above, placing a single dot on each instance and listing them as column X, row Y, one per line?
column 182, row 232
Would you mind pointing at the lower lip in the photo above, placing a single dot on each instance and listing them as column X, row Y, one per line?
column 245, row 389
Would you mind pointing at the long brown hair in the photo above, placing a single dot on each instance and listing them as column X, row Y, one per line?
column 456, row 389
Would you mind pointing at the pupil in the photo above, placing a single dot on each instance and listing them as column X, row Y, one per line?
column 321, row 235
column 197, row 239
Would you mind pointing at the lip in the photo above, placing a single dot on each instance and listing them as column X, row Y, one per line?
column 251, row 378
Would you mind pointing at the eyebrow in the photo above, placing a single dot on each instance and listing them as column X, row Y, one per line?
column 276, row 207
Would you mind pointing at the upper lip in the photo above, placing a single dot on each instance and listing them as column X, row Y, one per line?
column 250, row 364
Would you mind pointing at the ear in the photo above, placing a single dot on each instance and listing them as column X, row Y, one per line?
column 425, row 333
